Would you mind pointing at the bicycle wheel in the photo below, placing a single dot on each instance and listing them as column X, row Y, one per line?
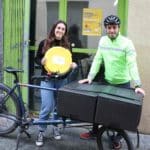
column 106, row 136
column 9, row 110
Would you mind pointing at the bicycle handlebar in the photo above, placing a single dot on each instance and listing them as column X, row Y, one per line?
column 40, row 77
column 46, row 77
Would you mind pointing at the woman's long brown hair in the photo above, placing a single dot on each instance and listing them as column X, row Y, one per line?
column 51, row 40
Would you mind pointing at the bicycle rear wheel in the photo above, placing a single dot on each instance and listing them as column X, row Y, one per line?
column 106, row 136
column 9, row 110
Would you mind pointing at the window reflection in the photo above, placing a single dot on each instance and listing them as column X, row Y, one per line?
column 73, row 35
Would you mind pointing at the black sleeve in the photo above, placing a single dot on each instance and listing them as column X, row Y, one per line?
column 39, row 54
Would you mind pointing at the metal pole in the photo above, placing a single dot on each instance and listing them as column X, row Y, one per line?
column 1, row 40
column 25, row 62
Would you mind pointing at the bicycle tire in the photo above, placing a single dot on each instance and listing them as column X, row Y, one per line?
column 128, row 145
column 9, row 111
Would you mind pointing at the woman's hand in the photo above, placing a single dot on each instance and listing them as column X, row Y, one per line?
column 43, row 61
column 85, row 81
column 140, row 90
column 73, row 65
column 49, row 74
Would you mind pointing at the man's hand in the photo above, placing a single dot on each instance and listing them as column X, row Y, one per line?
column 140, row 90
column 85, row 81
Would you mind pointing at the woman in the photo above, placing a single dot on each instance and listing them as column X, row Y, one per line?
column 56, row 37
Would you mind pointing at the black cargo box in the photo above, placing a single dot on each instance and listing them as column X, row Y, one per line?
column 103, row 104
column 76, row 104
column 121, row 108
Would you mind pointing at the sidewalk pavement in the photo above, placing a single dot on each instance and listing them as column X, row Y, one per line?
column 70, row 140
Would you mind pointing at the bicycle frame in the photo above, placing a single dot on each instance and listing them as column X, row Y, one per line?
column 19, row 94
column 38, row 122
column 22, row 108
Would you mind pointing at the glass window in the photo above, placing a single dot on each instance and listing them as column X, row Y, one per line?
column 75, row 19
column 52, row 14
column 46, row 16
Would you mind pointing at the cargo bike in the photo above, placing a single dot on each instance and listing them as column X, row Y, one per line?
column 88, row 103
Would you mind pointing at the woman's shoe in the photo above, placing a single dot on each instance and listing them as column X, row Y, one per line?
column 40, row 139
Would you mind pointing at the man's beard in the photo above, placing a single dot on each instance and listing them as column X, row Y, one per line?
column 113, row 37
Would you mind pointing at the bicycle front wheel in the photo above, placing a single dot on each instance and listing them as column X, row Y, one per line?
column 9, row 110
column 106, row 139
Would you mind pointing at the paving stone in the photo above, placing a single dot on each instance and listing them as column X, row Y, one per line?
column 70, row 140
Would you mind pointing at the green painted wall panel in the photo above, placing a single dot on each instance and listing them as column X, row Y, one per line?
column 16, row 16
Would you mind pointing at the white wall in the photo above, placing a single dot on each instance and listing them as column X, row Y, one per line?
column 139, row 32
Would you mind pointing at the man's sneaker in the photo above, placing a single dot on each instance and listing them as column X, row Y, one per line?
column 56, row 133
column 87, row 135
column 40, row 139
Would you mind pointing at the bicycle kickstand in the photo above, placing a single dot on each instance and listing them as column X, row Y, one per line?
column 22, row 129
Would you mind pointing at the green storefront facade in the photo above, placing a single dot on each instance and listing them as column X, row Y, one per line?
column 19, row 27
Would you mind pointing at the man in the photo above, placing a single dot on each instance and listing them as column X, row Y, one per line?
column 119, row 57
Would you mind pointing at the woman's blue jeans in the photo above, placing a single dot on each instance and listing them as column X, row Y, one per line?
column 48, row 99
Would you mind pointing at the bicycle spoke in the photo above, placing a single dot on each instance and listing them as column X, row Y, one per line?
column 8, row 110
column 8, row 106
column 5, row 123
column 110, row 139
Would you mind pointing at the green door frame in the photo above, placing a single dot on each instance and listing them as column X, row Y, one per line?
column 63, row 10
column 123, row 14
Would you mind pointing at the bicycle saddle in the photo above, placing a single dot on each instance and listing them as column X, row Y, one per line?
column 10, row 69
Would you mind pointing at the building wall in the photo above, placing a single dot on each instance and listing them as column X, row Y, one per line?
column 139, row 32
